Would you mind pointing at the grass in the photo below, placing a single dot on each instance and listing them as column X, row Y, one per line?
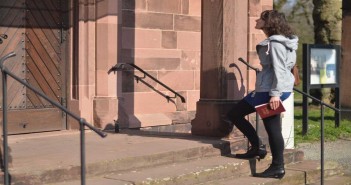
column 331, row 132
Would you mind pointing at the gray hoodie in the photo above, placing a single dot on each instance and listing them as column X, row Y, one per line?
column 277, row 56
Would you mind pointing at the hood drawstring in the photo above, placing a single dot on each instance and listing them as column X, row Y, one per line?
column 268, row 46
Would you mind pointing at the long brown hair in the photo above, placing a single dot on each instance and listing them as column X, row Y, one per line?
column 275, row 24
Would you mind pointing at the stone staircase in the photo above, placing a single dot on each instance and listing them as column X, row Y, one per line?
column 188, row 161
column 221, row 170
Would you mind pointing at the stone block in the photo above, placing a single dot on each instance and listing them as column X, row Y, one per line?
column 195, row 7
column 190, row 60
column 108, row 7
column 148, row 120
column 181, row 117
column 169, row 39
column 153, row 53
column 147, row 102
column 141, row 38
column 173, row 6
column 187, row 23
column 106, row 45
column 185, row 6
column 255, row 8
column 157, row 63
column 192, row 98
column 267, row 2
column 177, row 80
column 105, row 111
column 147, row 20
column 267, row 7
column 189, row 41
column 105, row 84
column 134, row 5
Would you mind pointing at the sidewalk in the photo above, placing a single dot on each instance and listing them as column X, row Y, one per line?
column 338, row 151
column 56, row 154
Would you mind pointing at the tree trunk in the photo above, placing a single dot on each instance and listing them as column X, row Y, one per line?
column 327, row 18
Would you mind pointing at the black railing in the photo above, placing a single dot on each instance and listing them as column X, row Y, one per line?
column 257, row 71
column 121, row 67
column 322, row 117
column 82, row 122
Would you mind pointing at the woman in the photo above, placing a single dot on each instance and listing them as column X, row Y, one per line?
column 274, row 83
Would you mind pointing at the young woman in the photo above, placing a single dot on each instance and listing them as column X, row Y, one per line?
column 274, row 83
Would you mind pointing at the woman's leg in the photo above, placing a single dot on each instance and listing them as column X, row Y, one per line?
column 237, row 116
column 275, row 137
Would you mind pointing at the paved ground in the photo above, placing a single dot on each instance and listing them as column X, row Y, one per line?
column 339, row 151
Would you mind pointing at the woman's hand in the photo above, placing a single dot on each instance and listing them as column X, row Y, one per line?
column 274, row 102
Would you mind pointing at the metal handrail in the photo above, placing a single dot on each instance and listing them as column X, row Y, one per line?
column 121, row 67
column 322, row 125
column 322, row 116
column 257, row 71
column 82, row 121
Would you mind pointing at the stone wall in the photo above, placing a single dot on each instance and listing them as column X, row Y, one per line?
column 162, row 38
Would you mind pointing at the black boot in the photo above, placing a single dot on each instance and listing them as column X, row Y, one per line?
column 274, row 171
column 260, row 151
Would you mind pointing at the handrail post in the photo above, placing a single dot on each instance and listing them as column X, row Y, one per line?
column 322, row 144
column 4, row 117
column 82, row 151
column 257, row 115
column 4, row 125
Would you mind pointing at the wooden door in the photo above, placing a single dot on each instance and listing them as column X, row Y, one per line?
column 36, row 33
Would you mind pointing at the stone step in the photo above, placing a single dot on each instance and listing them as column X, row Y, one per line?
column 138, row 154
column 335, row 180
column 190, row 172
column 303, row 172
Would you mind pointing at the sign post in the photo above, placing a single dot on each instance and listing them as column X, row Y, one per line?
column 320, row 70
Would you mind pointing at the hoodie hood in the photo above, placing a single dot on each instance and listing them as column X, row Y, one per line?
column 290, row 43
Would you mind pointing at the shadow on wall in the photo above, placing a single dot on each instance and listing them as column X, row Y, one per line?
column 236, row 90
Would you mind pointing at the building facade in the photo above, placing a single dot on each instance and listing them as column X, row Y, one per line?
column 66, row 48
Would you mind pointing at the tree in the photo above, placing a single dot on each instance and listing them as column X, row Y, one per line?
column 327, row 19
column 320, row 17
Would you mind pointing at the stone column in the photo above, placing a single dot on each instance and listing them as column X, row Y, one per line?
column 224, row 39
column 345, row 70
column 105, row 102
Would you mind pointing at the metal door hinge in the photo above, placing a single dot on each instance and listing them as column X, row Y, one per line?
column 64, row 104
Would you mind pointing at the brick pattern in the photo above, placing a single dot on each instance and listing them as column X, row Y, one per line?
column 163, row 38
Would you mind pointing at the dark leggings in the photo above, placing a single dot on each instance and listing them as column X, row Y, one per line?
column 272, row 125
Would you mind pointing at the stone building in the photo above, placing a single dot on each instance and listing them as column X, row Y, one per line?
column 66, row 48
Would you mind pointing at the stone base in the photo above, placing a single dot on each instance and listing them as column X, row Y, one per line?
column 105, row 111
column 148, row 120
column 207, row 120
